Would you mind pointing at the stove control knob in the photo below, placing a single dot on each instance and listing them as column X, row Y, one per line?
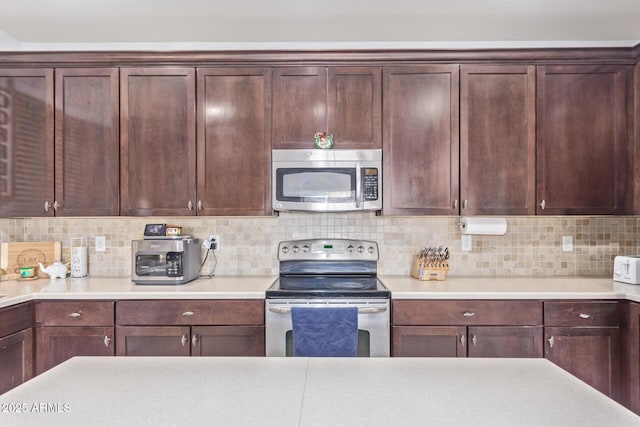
column 305, row 248
column 285, row 249
column 350, row 248
column 370, row 249
column 360, row 248
column 296, row 248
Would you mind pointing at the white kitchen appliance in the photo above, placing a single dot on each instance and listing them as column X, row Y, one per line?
column 78, row 248
column 626, row 269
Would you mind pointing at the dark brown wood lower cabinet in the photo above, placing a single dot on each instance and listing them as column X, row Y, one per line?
column 457, row 341
column 591, row 354
column 55, row 344
column 190, row 341
column 505, row 341
column 632, row 360
column 16, row 359
column 228, row 341
column 153, row 341
column 428, row 341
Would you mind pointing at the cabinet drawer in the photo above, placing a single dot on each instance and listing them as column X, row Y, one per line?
column 74, row 313
column 581, row 314
column 15, row 319
column 421, row 312
column 218, row 312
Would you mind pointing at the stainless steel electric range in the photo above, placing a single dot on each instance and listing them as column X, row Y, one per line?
column 329, row 273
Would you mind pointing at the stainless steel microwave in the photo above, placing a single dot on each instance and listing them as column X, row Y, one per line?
column 327, row 180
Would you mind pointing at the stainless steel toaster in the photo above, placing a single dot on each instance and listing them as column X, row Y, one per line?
column 165, row 260
column 627, row 269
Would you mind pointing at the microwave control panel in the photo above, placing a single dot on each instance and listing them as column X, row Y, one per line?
column 370, row 183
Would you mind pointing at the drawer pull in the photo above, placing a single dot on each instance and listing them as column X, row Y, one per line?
column 194, row 340
column 184, row 340
column 585, row 316
column 468, row 314
column 74, row 315
column 107, row 341
column 551, row 341
column 188, row 313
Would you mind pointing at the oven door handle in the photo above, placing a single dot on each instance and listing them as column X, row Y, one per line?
column 361, row 310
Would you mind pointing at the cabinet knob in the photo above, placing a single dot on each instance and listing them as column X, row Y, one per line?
column 199, row 205
column 107, row 341
column 584, row 316
column 474, row 340
column 74, row 315
column 551, row 341
column 190, row 205
column 455, row 204
column 46, row 206
column 194, row 340
column 56, row 205
column 462, row 340
column 465, row 204
column 543, row 204
column 184, row 340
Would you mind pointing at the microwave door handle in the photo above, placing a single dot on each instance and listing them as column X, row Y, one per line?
column 358, row 186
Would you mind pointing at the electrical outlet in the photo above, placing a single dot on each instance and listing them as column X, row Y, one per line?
column 466, row 242
column 214, row 241
column 567, row 243
column 101, row 243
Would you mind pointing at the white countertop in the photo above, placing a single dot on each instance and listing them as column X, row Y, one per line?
column 218, row 287
column 571, row 287
column 172, row 391
column 254, row 287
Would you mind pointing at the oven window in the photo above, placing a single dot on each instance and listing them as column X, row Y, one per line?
column 316, row 185
column 364, row 343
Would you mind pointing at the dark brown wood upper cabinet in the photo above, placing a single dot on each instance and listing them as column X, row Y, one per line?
column 234, row 141
column 344, row 101
column 497, row 140
column 26, row 142
column 420, row 140
column 87, row 142
column 158, row 141
column 581, row 139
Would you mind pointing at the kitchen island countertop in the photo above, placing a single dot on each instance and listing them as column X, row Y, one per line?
column 170, row 391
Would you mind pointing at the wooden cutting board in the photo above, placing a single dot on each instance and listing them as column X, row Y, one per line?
column 14, row 255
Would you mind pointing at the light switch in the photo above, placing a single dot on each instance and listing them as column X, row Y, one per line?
column 101, row 243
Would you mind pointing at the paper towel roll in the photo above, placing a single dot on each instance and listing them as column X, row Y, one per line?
column 491, row 226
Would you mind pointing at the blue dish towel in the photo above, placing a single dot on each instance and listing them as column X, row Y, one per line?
column 325, row 332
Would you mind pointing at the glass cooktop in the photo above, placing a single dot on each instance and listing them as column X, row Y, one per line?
column 328, row 287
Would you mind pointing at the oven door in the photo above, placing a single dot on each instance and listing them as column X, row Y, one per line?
column 373, row 324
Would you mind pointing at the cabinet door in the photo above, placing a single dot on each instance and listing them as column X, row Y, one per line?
column 428, row 341
column 632, row 369
column 26, row 142
column 228, row 341
column 153, row 341
column 355, row 107
column 497, row 140
column 158, row 141
column 420, row 140
column 16, row 359
column 299, row 106
column 234, row 141
column 87, row 142
column 56, row 344
column 505, row 341
column 591, row 354
column 582, row 146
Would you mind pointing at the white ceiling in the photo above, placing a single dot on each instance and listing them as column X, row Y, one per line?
column 176, row 24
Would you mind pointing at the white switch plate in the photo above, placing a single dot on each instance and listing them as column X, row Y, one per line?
column 466, row 242
column 101, row 243
column 567, row 243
